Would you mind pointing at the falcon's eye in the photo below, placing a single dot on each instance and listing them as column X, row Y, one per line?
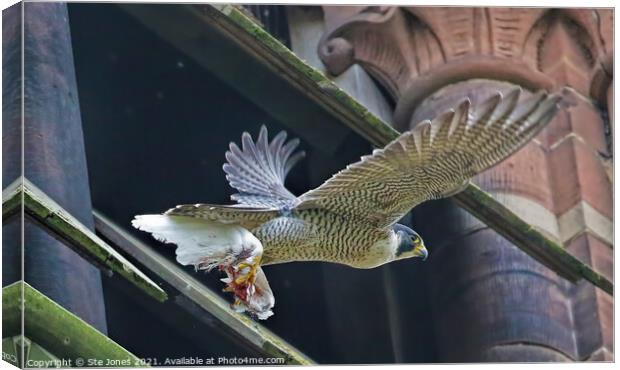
column 415, row 239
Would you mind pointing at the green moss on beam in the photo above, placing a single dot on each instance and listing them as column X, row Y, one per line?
column 238, row 27
column 69, row 230
column 12, row 199
column 57, row 330
column 246, row 330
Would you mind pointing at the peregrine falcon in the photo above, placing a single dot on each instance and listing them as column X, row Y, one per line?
column 351, row 218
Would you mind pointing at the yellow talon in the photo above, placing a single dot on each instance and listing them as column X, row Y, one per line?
column 251, row 275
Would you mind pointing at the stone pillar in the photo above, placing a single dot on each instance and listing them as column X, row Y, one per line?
column 490, row 301
column 55, row 161
column 11, row 136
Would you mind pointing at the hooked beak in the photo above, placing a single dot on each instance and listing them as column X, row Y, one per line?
column 421, row 251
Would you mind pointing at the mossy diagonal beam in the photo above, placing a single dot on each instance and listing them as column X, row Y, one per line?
column 12, row 199
column 59, row 331
column 247, row 331
column 62, row 225
column 234, row 24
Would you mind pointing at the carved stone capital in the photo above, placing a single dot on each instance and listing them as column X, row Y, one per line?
column 414, row 51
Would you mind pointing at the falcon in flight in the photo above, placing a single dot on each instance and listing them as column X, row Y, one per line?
column 351, row 218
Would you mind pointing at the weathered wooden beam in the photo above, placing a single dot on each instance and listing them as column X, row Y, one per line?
column 247, row 331
column 12, row 198
column 240, row 29
column 59, row 223
column 57, row 330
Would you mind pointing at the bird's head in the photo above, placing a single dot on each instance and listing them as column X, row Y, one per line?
column 409, row 243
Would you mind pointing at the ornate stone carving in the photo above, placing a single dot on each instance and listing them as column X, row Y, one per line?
column 414, row 51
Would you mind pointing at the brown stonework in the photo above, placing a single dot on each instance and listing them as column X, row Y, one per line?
column 430, row 58
column 592, row 320
column 524, row 173
column 583, row 120
column 594, row 252
column 592, row 311
column 566, row 62
column 606, row 314
column 557, row 130
column 593, row 183
column 602, row 75
column 577, row 174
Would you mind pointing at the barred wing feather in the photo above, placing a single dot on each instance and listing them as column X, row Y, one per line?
column 434, row 159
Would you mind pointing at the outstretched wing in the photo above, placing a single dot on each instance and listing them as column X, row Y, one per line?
column 259, row 169
column 434, row 159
